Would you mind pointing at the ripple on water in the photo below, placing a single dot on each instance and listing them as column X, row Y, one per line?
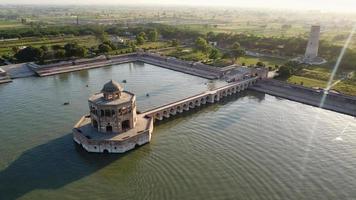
column 252, row 146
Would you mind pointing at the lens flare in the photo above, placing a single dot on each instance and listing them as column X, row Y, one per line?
column 336, row 67
column 322, row 101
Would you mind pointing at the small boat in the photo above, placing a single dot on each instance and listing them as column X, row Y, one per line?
column 87, row 85
column 124, row 81
column 147, row 95
column 66, row 103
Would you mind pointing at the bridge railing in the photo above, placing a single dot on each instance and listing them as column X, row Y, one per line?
column 165, row 106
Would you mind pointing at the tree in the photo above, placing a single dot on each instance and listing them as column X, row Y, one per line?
column 285, row 71
column 99, row 33
column 104, row 48
column 175, row 42
column 44, row 48
column 74, row 50
column 152, row 35
column 59, row 53
column 202, row 45
column 237, row 51
column 260, row 64
column 110, row 44
column 56, row 47
column 29, row 54
column 15, row 49
column 214, row 54
column 210, row 35
column 141, row 38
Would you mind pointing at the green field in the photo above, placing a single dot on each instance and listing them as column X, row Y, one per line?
column 316, row 76
column 154, row 45
column 345, row 88
column 9, row 24
column 307, row 82
column 6, row 46
column 269, row 62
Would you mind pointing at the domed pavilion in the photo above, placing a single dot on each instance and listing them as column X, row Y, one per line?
column 113, row 124
column 113, row 110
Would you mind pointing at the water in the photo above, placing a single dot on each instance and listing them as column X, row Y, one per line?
column 252, row 146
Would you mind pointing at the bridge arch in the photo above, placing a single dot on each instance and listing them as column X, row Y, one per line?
column 216, row 97
column 191, row 104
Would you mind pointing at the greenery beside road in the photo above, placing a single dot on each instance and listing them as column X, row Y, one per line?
column 51, row 44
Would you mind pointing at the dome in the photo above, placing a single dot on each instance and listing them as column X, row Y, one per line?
column 111, row 87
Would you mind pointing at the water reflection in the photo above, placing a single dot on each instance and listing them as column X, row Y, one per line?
column 50, row 166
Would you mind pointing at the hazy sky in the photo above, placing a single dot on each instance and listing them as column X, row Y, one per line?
column 324, row 5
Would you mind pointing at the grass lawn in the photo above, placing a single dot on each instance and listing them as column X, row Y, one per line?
column 186, row 54
column 154, row 45
column 342, row 87
column 314, row 74
column 167, row 51
column 270, row 62
column 8, row 24
column 345, row 88
column 307, row 82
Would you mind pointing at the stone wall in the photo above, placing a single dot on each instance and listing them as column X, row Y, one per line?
column 335, row 102
column 112, row 146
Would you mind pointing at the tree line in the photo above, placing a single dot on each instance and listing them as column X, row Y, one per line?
column 284, row 46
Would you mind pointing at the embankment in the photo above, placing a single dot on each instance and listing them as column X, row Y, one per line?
column 193, row 68
column 335, row 102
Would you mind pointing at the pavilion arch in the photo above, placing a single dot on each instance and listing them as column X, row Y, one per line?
column 216, row 97
column 95, row 123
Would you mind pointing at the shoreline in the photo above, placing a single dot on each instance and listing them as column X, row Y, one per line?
column 192, row 68
column 335, row 102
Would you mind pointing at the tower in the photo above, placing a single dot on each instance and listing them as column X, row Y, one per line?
column 313, row 44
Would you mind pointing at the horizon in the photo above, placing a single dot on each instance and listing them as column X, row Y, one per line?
column 341, row 6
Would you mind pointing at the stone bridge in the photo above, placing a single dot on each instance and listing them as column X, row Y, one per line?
column 165, row 111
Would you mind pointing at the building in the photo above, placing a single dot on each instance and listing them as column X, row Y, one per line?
column 116, row 40
column 2, row 72
column 113, row 126
column 213, row 43
column 113, row 110
column 4, row 77
column 241, row 73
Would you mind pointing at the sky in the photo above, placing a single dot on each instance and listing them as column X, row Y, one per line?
column 322, row 5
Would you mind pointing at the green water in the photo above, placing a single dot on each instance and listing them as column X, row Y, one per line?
column 252, row 146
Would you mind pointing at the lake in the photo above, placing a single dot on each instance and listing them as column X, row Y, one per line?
column 250, row 146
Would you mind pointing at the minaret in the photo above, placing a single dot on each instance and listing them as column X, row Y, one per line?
column 313, row 44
